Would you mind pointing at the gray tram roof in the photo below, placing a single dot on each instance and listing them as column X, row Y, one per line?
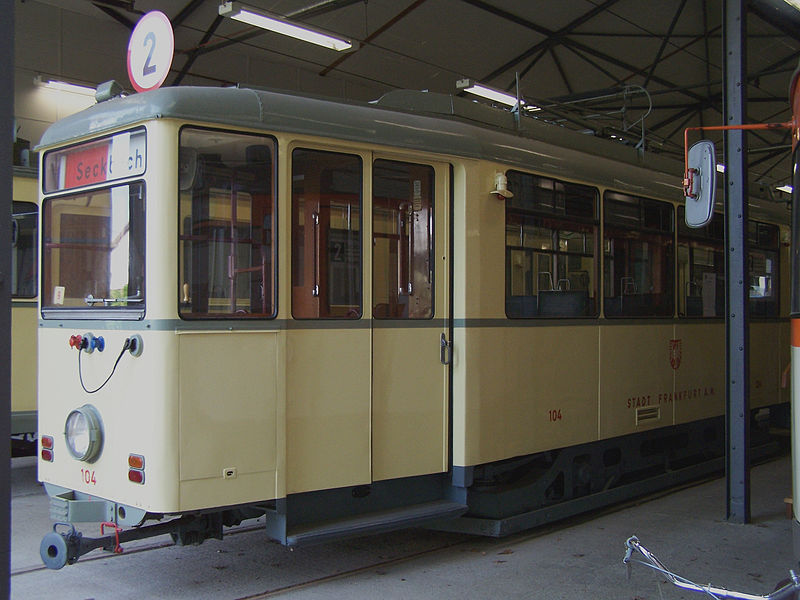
column 425, row 121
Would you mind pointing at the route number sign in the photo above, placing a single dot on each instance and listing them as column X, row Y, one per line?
column 150, row 51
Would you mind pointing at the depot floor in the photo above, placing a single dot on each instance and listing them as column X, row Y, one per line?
column 580, row 558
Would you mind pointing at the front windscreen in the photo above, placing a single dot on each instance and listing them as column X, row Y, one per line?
column 93, row 252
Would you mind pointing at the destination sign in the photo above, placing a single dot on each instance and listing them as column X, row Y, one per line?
column 110, row 158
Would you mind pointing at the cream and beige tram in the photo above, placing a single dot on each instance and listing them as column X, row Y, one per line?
column 352, row 317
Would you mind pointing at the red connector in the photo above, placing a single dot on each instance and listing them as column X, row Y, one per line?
column 117, row 529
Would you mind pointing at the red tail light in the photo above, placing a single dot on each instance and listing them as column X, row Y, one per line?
column 46, row 444
column 135, row 476
column 136, row 470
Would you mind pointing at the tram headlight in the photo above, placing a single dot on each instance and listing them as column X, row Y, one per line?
column 83, row 432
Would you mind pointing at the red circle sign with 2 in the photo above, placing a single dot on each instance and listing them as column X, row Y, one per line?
column 150, row 51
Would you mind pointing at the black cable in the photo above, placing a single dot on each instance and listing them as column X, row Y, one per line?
column 125, row 346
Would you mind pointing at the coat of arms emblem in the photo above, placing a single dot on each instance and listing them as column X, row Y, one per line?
column 675, row 353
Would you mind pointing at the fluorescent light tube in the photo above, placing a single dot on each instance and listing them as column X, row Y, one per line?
column 64, row 86
column 251, row 16
column 492, row 94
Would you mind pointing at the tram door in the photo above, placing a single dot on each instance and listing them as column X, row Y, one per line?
column 410, row 303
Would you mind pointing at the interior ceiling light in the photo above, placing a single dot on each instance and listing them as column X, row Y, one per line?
column 478, row 89
column 785, row 188
column 265, row 20
column 793, row 3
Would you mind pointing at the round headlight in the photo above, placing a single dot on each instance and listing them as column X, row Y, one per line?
column 84, row 433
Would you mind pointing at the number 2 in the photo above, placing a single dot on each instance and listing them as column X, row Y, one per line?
column 148, row 68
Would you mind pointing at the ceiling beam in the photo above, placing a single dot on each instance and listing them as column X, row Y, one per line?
column 561, row 71
column 117, row 16
column 398, row 17
column 562, row 38
column 784, row 20
column 583, row 56
column 195, row 53
column 321, row 8
column 664, row 42
column 187, row 10
column 551, row 37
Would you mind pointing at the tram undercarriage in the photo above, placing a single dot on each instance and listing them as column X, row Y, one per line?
column 495, row 500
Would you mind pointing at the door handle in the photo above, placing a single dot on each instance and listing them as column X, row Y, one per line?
column 315, row 235
column 445, row 351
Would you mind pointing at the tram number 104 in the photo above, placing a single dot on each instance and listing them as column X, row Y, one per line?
column 555, row 415
column 88, row 477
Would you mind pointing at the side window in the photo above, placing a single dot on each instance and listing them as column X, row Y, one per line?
column 701, row 268
column 762, row 268
column 23, row 250
column 551, row 248
column 326, row 235
column 226, row 220
column 638, row 273
column 402, row 225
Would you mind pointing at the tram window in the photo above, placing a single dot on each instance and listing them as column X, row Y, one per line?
column 227, row 215
column 402, row 226
column 638, row 256
column 701, row 268
column 551, row 245
column 762, row 268
column 94, row 251
column 326, row 235
column 23, row 250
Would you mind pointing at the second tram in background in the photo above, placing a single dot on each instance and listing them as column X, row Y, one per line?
column 24, row 313
column 351, row 317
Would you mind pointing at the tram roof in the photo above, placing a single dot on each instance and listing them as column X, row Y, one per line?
column 432, row 122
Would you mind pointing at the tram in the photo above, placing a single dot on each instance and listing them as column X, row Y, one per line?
column 795, row 311
column 348, row 317
column 24, row 319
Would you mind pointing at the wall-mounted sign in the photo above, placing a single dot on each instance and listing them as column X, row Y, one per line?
column 150, row 51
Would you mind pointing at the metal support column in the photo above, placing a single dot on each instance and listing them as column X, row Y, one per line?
column 737, row 411
column 6, row 173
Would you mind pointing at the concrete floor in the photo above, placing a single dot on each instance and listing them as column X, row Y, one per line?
column 580, row 558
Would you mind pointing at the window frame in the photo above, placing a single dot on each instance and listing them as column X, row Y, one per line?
column 16, row 209
column 317, row 289
column 537, row 216
column 711, row 237
column 771, row 304
column 273, row 245
column 50, row 310
column 610, row 197
column 431, row 221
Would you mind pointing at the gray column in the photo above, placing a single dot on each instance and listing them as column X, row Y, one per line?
column 736, row 338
